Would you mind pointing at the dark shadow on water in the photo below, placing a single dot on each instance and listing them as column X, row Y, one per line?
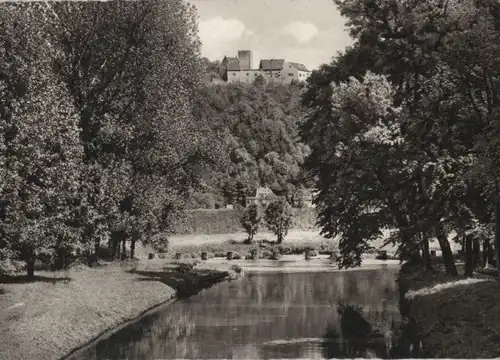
column 23, row 279
column 356, row 337
column 186, row 283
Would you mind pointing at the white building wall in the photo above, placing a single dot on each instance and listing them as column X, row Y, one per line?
column 286, row 75
column 289, row 73
column 303, row 75
column 244, row 76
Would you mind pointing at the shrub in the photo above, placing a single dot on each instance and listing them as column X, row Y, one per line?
column 278, row 218
column 250, row 221
column 285, row 250
column 159, row 243
column 237, row 269
column 276, row 253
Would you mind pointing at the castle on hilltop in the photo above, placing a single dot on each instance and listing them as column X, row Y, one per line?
column 239, row 69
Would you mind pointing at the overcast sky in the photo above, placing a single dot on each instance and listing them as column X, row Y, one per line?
column 305, row 31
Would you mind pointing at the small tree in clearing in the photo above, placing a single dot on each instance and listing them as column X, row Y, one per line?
column 250, row 221
column 278, row 218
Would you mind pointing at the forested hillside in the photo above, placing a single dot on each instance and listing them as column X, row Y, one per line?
column 258, row 125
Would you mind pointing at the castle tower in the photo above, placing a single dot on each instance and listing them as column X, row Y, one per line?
column 245, row 57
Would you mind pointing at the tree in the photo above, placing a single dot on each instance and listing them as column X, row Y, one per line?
column 121, row 64
column 99, row 129
column 41, row 153
column 250, row 221
column 278, row 218
column 391, row 39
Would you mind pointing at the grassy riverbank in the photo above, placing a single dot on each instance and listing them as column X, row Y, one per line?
column 458, row 320
column 295, row 242
column 61, row 311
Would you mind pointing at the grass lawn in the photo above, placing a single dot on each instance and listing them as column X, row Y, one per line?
column 60, row 311
column 459, row 320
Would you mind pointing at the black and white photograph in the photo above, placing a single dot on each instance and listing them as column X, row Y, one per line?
column 249, row 179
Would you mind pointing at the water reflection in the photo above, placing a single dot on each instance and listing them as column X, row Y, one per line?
column 268, row 315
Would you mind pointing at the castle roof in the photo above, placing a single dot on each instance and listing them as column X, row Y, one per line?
column 299, row 66
column 272, row 64
column 233, row 64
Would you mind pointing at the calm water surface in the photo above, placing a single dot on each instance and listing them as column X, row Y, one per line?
column 262, row 316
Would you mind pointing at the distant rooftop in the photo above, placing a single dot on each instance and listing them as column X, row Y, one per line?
column 272, row 64
column 299, row 66
column 233, row 64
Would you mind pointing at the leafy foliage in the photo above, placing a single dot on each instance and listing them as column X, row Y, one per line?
column 250, row 221
column 278, row 218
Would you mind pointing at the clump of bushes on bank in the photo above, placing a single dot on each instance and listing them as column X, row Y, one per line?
column 265, row 248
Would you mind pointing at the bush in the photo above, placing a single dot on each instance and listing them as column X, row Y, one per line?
column 236, row 268
column 159, row 243
column 285, row 250
column 278, row 218
column 276, row 254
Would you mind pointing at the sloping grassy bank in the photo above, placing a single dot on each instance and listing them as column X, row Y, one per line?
column 63, row 311
column 223, row 221
column 450, row 317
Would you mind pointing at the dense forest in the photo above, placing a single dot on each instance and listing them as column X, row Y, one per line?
column 258, row 125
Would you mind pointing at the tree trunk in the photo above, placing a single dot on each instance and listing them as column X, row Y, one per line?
column 30, row 265
column 476, row 251
column 469, row 258
column 425, row 252
column 486, row 245
column 124, row 248
column 280, row 238
column 97, row 245
column 487, row 252
column 449, row 261
column 88, row 246
column 61, row 260
column 58, row 261
column 30, row 269
column 497, row 230
column 118, row 248
column 133, row 240
column 132, row 248
column 115, row 238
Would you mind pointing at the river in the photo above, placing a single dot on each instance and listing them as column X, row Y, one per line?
column 265, row 315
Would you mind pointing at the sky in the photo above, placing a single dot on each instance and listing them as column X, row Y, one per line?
column 304, row 31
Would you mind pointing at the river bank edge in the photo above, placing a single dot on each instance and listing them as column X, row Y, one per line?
column 458, row 320
column 57, row 317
